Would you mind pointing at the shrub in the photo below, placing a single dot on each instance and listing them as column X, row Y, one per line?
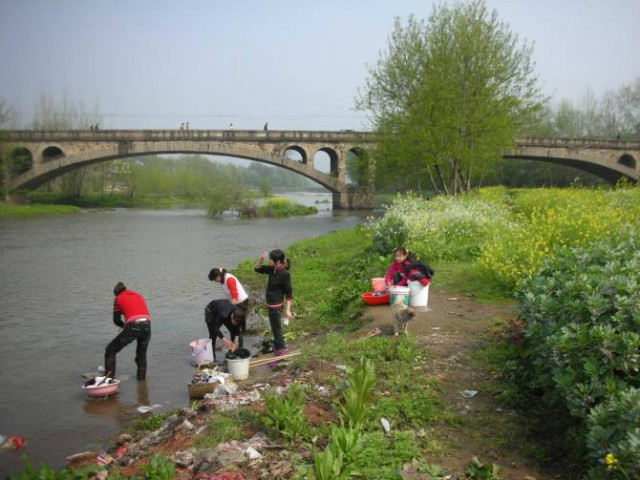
column 582, row 323
column 614, row 436
column 582, row 349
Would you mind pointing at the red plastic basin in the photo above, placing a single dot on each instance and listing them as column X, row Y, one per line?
column 376, row 298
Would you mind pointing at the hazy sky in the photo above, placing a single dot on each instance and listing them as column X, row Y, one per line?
column 297, row 64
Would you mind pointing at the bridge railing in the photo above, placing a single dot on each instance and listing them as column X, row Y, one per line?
column 193, row 135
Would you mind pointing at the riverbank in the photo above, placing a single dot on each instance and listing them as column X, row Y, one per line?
column 43, row 203
column 10, row 210
column 417, row 383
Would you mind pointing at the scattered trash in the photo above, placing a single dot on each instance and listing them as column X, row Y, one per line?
column 341, row 367
column 385, row 425
column 469, row 393
column 105, row 459
column 13, row 442
column 147, row 408
column 80, row 457
column 252, row 453
column 452, row 299
column 122, row 449
column 220, row 476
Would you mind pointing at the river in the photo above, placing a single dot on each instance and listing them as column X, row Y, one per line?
column 56, row 286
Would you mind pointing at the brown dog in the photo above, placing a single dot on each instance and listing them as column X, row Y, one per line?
column 402, row 316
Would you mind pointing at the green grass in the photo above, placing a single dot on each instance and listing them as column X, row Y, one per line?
column 328, row 274
column 283, row 207
column 150, row 423
column 470, row 279
column 9, row 210
column 116, row 200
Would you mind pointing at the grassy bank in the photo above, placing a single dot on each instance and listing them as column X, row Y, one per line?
column 9, row 210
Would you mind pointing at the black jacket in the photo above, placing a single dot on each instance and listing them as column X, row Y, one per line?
column 278, row 285
column 218, row 313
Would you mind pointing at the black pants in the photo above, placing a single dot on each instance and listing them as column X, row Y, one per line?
column 141, row 332
column 276, row 328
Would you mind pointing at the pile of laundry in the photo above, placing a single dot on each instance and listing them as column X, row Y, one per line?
column 209, row 375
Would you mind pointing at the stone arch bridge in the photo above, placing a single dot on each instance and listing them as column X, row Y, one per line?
column 52, row 153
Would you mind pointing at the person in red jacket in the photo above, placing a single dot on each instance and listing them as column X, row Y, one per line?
column 136, row 326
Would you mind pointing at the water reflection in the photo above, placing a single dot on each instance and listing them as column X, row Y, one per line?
column 116, row 408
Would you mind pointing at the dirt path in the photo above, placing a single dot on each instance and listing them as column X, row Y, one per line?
column 450, row 329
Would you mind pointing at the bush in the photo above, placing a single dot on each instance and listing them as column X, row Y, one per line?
column 283, row 207
column 582, row 323
column 614, row 436
column 582, row 349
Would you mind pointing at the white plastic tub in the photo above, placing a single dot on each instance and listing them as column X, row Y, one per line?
column 238, row 368
column 418, row 295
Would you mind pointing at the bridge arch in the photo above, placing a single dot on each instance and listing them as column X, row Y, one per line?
column 627, row 160
column 55, row 167
column 51, row 153
column 21, row 160
column 299, row 150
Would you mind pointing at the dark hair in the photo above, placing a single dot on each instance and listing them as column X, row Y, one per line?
column 278, row 256
column 401, row 251
column 240, row 316
column 119, row 288
column 215, row 272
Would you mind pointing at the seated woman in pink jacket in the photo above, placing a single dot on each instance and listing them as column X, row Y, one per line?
column 396, row 274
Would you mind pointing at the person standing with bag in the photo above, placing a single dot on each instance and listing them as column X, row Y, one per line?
column 279, row 294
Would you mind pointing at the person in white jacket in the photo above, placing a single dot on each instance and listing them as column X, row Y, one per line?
column 233, row 289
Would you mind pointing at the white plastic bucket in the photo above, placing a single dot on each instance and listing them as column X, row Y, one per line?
column 202, row 351
column 418, row 295
column 399, row 292
column 238, row 368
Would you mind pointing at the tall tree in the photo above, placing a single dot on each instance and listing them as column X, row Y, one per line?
column 449, row 95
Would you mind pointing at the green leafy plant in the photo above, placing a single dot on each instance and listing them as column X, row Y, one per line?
column 45, row 472
column 356, row 397
column 614, row 436
column 481, row 471
column 285, row 413
column 159, row 468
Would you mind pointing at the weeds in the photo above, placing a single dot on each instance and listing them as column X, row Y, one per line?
column 356, row 398
column 285, row 413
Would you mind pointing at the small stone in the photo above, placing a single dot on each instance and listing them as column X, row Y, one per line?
column 252, row 453
column 385, row 425
column 124, row 438
column 102, row 475
column 529, row 477
column 186, row 426
column 123, row 461
column 184, row 458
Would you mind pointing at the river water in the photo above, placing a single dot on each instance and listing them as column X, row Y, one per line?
column 56, row 290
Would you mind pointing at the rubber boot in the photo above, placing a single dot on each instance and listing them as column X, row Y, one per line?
column 110, row 367
column 141, row 374
column 278, row 353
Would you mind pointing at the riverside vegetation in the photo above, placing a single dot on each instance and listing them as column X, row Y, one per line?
column 570, row 362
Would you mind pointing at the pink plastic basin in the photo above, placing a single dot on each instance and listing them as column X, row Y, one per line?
column 378, row 284
column 102, row 390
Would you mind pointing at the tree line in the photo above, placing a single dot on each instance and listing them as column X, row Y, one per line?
column 450, row 93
